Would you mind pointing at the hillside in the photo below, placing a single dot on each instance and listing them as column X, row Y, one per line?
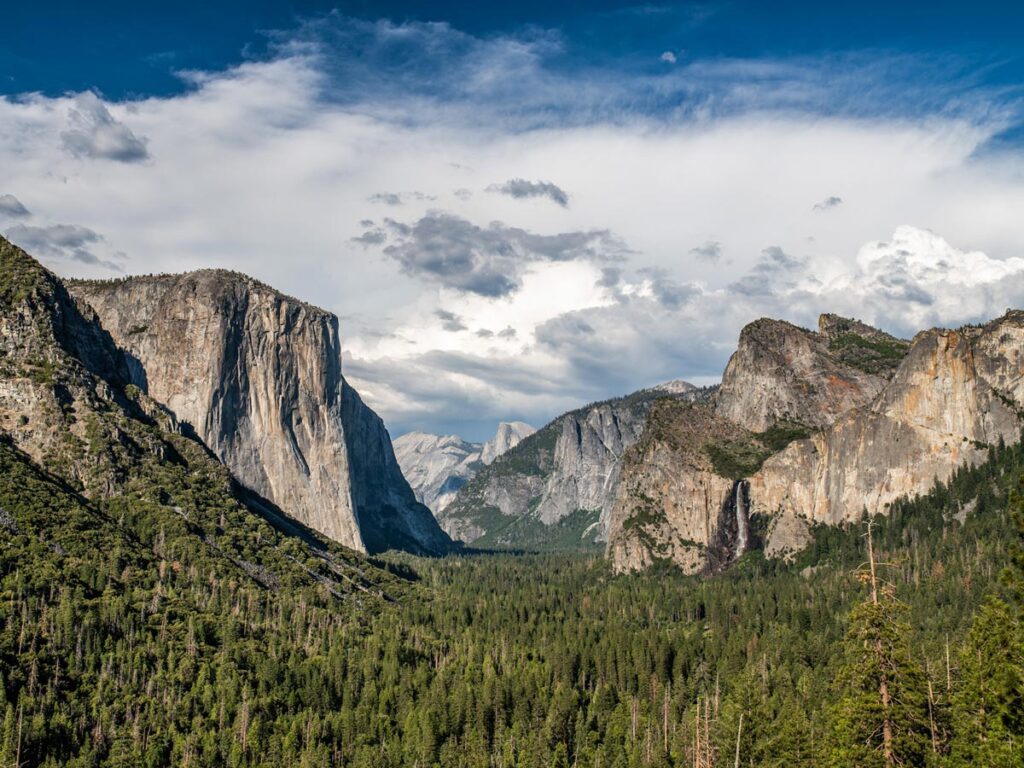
column 437, row 466
column 256, row 375
column 554, row 489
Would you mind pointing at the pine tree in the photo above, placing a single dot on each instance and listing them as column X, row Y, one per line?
column 990, row 665
column 881, row 718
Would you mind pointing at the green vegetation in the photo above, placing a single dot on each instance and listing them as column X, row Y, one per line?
column 742, row 457
column 20, row 274
column 127, row 639
column 877, row 354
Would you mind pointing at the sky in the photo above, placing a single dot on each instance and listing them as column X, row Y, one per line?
column 518, row 208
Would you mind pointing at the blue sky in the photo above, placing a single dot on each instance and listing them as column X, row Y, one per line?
column 518, row 208
column 128, row 49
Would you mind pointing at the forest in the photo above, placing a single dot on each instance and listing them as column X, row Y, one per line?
column 123, row 643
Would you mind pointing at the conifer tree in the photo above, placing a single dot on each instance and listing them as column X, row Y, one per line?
column 881, row 717
column 983, row 713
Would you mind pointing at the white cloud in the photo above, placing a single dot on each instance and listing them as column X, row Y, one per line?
column 94, row 133
column 668, row 57
column 268, row 169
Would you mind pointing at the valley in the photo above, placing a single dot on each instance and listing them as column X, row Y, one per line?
column 209, row 554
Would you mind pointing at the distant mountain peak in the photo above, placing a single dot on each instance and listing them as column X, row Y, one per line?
column 437, row 466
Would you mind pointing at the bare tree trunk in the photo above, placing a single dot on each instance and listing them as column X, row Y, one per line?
column 739, row 732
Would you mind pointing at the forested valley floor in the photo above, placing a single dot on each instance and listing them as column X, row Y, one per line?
column 122, row 643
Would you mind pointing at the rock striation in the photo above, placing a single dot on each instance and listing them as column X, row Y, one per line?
column 956, row 393
column 437, row 466
column 508, row 435
column 256, row 375
column 814, row 428
column 687, row 490
column 781, row 371
column 555, row 489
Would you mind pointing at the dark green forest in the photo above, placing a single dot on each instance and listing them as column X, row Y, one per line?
column 124, row 643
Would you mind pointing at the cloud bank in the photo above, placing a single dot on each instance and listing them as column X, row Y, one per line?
column 459, row 309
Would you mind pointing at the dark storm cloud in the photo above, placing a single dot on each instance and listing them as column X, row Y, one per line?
column 610, row 277
column 668, row 292
column 521, row 188
column 94, row 133
column 67, row 241
column 11, row 206
column 487, row 261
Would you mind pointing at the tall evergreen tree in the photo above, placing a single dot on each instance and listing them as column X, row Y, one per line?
column 881, row 717
column 984, row 714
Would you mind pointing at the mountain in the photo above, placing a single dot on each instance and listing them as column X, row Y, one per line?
column 555, row 488
column 256, row 376
column 813, row 428
column 100, row 479
column 957, row 394
column 437, row 466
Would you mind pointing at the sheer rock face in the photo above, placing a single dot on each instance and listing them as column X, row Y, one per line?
column 508, row 436
column 437, row 466
column 587, row 462
column 671, row 505
column 781, row 371
column 675, row 505
column 571, row 466
column 955, row 393
column 257, row 376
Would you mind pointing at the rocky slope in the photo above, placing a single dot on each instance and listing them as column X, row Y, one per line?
column 956, row 393
column 508, row 435
column 686, row 495
column 437, row 466
column 98, row 474
column 781, row 371
column 556, row 487
column 814, row 428
column 256, row 376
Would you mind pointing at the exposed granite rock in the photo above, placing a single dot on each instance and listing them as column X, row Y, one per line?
column 781, row 371
column 557, row 485
column 671, row 504
column 508, row 435
column 685, row 495
column 437, row 466
column 257, row 376
column 956, row 393
column 64, row 394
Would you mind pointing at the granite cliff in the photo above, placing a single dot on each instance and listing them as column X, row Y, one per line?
column 814, row 428
column 437, row 466
column 686, row 495
column 555, row 488
column 956, row 393
column 256, row 376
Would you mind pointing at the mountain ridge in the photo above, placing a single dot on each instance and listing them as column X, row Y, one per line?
column 257, row 376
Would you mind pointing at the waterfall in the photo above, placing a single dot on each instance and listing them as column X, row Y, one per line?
column 742, row 519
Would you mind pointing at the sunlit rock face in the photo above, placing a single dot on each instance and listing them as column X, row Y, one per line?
column 437, row 466
column 257, row 376
column 956, row 393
